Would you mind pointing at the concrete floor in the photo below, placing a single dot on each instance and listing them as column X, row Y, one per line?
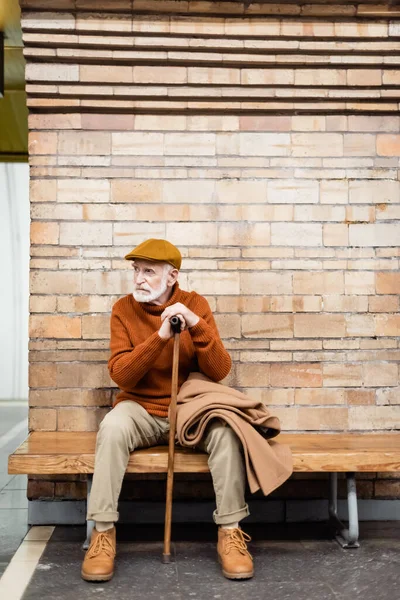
column 294, row 562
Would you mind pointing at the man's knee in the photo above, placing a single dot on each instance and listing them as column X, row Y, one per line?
column 114, row 429
column 221, row 434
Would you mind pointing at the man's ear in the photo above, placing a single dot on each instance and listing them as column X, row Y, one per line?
column 172, row 277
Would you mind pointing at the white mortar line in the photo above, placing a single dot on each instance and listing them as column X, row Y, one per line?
column 10, row 435
column 18, row 574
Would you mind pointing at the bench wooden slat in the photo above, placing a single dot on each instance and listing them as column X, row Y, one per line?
column 52, row 453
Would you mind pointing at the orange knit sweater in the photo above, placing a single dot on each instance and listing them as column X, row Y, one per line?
column 141, row 362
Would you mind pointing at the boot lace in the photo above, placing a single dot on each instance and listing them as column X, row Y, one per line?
column 100, row 545
column 237, row 541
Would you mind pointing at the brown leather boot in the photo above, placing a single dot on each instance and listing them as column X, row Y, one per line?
column 98, row 564
column 236, row 561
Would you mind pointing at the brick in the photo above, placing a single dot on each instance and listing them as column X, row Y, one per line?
column 388, row 145
column 318, row 283
column 316, row 397
column 374, row 192
column 265, row 356
column 388, row 283
column 39, row 490
column 43, row 190
column 108, row 122
column 322, row 419
column 367, row 418
column 335, row 234
column 86, row 234
column 137, row 143
column 106, row 73
column 360, row 325
column 377, row 234
column 264, row 144
column 42, row 304
column 359, row 282
column 55, row 282
column 250, row 375
column 350, row 304
column 127, row 190
column 54, row 121
column 334, row 192
column 84, row 142
column 80, row 419
column 264, row 123
column 265, row 283
column 42, row 375
column 317, row 144
column 42, row 419
column 44, row 233
column 84, row 190
column 96, row 327
column 244, row 234
column 228, row 326
column 358, row 144
column 51, row 72
column 306, row 123
column 160, row 75
column 296, row 375
column 360, row 397
column 42, row 142
column 360, row 214
column 83, row 375
column 271, row 397
column 387, row 489
column 342, row 375
column 183, row 144
column 107, row 283
column 192, row 233
column 266, row 77
column 211, row 75
column 381, row 374
column 240, row 191
column 319, row 213
column 74, row 490
column 374, row 123
column 55, row 326
column 388, row 396
column 383, row 304
column 212, row 283
column 267, row 326
column 319, row 325
column 303, row 234
column 387, row 325
column 370, row 77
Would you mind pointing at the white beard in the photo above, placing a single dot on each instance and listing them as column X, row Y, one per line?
column 151, row 295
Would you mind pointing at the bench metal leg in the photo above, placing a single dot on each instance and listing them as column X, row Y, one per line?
column 89, row 524
column 347, row 538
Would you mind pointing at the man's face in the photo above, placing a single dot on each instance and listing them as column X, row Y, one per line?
column 149, row 279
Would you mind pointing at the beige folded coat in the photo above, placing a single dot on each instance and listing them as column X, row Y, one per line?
column 268, row 463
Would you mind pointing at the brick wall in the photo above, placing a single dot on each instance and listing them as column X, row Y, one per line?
column 263, row 140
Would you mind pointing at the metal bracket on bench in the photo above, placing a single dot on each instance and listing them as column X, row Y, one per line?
column 347, row 538
column 89, row 524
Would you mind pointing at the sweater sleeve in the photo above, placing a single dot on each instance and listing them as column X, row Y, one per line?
column 128, row 364
column 213, row 358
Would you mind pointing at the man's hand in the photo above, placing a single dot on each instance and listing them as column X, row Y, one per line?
column 185, row 315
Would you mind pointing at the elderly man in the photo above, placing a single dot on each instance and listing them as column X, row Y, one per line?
column 140, row 364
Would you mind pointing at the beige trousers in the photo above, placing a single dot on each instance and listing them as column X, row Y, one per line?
column 129, row 426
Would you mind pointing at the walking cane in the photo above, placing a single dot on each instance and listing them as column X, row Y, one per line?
column 176, row 328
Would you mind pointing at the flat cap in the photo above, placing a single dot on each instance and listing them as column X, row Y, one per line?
column 159, row 250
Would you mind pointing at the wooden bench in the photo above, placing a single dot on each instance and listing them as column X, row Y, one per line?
column 56, row 453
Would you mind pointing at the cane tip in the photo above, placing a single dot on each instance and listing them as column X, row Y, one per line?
column 166, row 559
